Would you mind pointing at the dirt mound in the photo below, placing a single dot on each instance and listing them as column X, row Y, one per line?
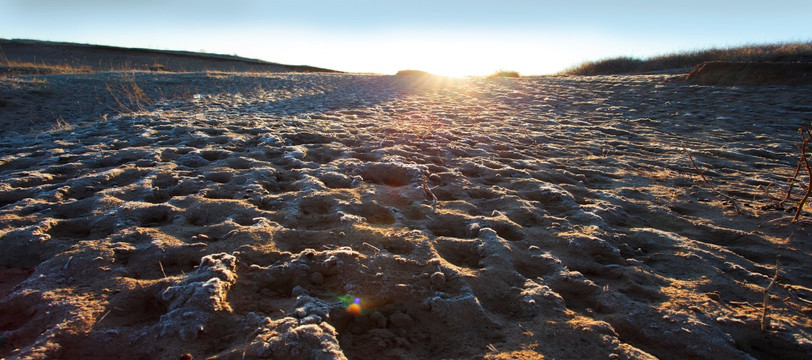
column 732, row 73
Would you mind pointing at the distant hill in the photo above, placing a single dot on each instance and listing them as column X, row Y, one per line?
column 684, row 61
column 106, row 58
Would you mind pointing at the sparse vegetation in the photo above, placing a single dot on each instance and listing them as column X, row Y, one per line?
column 60, row 125
column 129, row 96
column 803, row 160
column 413, row 73
column 781, row 52
column 16, row 68
column 13, row 68
column 803, row 164
column 504, row 74
column 701, row 173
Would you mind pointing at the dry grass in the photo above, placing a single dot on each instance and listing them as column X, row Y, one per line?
column 129, row 96
column 780, row 52
column 504, row 74
column 11, row 68
column 14, row 68
column 60, row 125
column 413, row 73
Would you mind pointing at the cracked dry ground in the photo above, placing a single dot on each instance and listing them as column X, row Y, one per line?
column 369, row 217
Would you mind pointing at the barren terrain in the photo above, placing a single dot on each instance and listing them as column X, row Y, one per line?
column 332, row 216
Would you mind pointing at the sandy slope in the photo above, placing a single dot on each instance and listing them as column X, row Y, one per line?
column 483, row 218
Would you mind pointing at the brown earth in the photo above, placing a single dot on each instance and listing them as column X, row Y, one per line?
column 332, row 216
column 732, row 73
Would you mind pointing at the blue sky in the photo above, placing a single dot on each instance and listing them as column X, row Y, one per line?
column 448, row 37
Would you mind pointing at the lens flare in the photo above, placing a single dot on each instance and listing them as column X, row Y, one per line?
column 354, row 306
column 354, row 309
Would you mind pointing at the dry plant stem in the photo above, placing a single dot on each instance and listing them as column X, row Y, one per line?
column 702, row 175
column 67, row 264
column 120, row 104
column 766, row 190
column 791, row 183
column 429, row 192
column 804, row 145
column 128, row 90
column 806, row 195
column 103, row 316
column 373, row 247
column 162, row 269
column 767, row 296
column 805, row 301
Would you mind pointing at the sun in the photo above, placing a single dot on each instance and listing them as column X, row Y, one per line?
column 452, row 66
column 455, row 70
column 447, row 57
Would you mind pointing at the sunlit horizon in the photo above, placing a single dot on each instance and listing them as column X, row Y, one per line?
column 454, row 38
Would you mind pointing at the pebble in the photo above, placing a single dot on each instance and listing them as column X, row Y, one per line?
column 437, row 279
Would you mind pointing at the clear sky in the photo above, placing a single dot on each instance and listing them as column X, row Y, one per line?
column 447, row 37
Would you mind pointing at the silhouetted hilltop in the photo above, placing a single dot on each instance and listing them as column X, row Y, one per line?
column 105, row 58
column 683, row 62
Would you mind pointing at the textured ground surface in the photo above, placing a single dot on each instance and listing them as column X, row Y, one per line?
column 369, row 217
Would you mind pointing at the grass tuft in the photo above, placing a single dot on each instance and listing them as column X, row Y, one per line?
column 60, row 125
column 129, row 96
column 504, row 74
column 413, row 73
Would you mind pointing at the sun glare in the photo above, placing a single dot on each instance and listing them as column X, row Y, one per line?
column 452, row 65
column 450, row 56
column 454, row 70
column 454, row 55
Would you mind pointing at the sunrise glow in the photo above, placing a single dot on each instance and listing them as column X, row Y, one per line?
column 454, row 38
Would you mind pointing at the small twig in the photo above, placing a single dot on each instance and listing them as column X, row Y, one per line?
column 67, row 264
column 162, row 269
column 103, row 316
column 370, row 245
column 791, row 183
column 766, row 190
column 429, row 192
column 65, row 271
column 702, row 175
column 764, row 324
column 230, row 233
column 796, row 297
column 806, row 195
column 804, row 145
